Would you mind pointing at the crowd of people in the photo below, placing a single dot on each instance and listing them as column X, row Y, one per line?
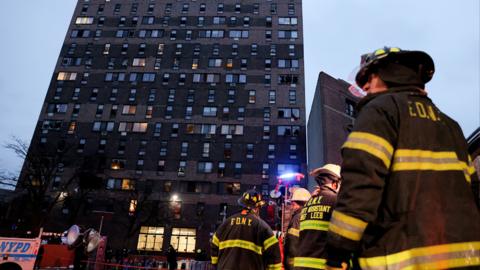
column 405, row 197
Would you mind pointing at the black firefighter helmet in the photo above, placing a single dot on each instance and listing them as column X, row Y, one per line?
column 396, row 66
column 251, row 199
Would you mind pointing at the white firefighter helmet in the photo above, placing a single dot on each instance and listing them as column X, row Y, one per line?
column 301, row 194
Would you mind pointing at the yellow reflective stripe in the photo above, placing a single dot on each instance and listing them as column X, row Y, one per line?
column 415, row 159
column 241, row 244
column 270, row 242
column 294, row 232
column 372, row 144
column 315, row 263
column 379, row 51
column 214, row 260
column 318, row 225
column 433, row 257
column 215, row 240
column 347, row 226
column 277, row 266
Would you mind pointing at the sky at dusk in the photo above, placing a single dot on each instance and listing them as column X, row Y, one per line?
column 336, row 33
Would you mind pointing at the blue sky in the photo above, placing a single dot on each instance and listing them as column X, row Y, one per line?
column 336, row 33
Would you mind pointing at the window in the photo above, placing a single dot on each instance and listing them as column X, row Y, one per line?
column 350, row 107
column 287, row 21
column 66, row 76
column 246, row 21
column 291, row 9
column 206, row 150
column 293, row 151
column 205, row 167
column 149, row 112
column 266, row 114
column 253, row 49
column 183, row 239
column 273, row 8
column 57, row 108
column 209, row 111
column 215, row 62
column 287, row 34
column 251, row 97
column 249, row 154
column 229, row 188
column 268, row 64
column 163, row 148
column 84, row 20
column 151, row 95
column 129, row 109
column 150, row 238
column 272, row 96
column 265, row 170
column 292, row 131
column 182, row 166
column 237, row 172
column 138, row 62
column 161, row 168
column 185, row 7
column 271, row 151
column 99, row 111
column 211, row 96
column 292, row 97
column 241, row 113
column 218, row 20
column 266, row 132
column 195, row 63
column 157, row 129
column 184, row 149
column 289, row 79
column 120, row 184
column 236, row 34
column 288, row 63
column 232, row 130
column 160, row 48
column 289, row 113
column 221, row 169
column 174, row 132
column 268, row 21
column 220, row 8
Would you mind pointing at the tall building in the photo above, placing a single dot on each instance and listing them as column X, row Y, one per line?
column 331, row 120
column 160, row 113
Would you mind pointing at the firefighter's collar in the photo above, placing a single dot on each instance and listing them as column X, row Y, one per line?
column 409, row 88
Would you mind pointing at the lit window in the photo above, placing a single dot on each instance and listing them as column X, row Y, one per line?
column 183, row 239
column 150, row 238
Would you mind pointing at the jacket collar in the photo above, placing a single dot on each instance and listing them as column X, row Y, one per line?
column 410, row 88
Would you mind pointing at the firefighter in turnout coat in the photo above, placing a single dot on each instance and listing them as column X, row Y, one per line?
column 406, row 200
column 299, row 198
column 314, row 219
column 244, row 240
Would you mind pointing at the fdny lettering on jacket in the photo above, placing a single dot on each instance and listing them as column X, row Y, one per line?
column 241, row 221
column 420, row 110
column 314, row 209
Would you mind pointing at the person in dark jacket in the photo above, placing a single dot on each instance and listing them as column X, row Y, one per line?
column 172, row 258
column 299, row 197
column 314, row 219
column 406, row 200
column 244, row 240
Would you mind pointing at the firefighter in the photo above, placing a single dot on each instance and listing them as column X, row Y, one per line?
column 314, row 219
column 244, row 240
column 299, row 198
column 406, row 200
